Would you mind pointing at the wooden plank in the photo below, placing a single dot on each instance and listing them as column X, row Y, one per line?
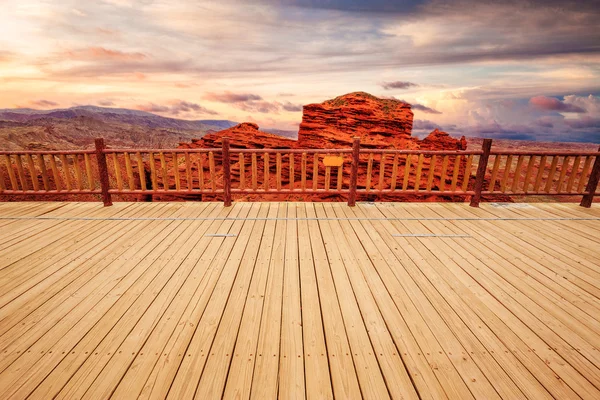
column 315, row 177
column 11, row 172
column 394, row 172
column 406, row 172
column 66, row 172
column 583, row 178
column 497, row 159
column 32, row 172
column 443, row 173
column 78, row 173
column 188, row 171
column 242, row 164
column 507, row 168
column 88, row 172
column 303, row 172
column 467, row 175
column 540, row 173
column 369, row 172
column 517, row 175
column 278, row 170
column 418, row 173
column 382, row 171
column 266, row 171
column 550, row 179
column 21, row 172
column 55, row 173
column 165, row 175
column 530, row 165
column 574, row 173
column 455, row 173
column 292, row 177
column 563, row 173
column 431, row 172
column 152, row 162
column 142, row 170
column 118, row 175
column 43, row 169
column 254, row 172
column 213, row 174
column 177, row 177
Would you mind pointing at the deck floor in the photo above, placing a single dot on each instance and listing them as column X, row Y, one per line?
column 299, row 300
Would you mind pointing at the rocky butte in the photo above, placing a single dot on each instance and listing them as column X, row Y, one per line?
column 380, row 124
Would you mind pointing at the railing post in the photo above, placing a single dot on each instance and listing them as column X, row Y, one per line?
column 103, row 171
column 483, row 162
column 592, row 185
column 226, row 174
column 354, row 171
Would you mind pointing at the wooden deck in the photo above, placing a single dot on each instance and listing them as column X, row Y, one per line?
column 299, row 300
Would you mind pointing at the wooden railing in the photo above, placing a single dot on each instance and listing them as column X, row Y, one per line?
column 353, row 172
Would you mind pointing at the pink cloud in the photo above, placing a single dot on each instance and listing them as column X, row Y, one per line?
column 553, row 104
column 101, row 53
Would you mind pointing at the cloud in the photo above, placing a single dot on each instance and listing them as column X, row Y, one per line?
column 43, row 103
column 584, row 123
column 228, row 97
column 101, row 53
column 553, row 104
column 106, row 103
column 425, row 109
column 287, row 106
column 175, row 107
column 397, row 85
column 424, row 125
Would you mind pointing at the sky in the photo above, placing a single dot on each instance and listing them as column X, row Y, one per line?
column 511, row 69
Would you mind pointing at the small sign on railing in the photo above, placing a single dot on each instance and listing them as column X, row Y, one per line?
column 333, row 161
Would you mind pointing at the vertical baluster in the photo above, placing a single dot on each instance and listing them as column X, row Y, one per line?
column 419, row 171
column 141, row 170
column 201, row 172
column 495, row 168
column 327, row 177
column 507, row 168
column 406, row 171
column 242, row 171
column 573, row 174
column 381, row 171
column 129, row 171
column 394, row 173
column 44, row 170
column 315, row 171
column 369, row 172
column 540, row 174
column 175, row 159
column 292, row 172
column 226, row 173
column 455, row 173
column 584, row 174
column 65, row 167
column 563, row 173
column 303, row 172
column 78, row 173
column 2, row 187
column 592, row 185
column 528, row 173
column 278, row 171
column 431, row 171
column 55, row 173
column 254, row 172
column 340, row 172
column 117, row 171
column 163, row 167
column 88, row 171
column 151, row 161
column 550, row 180
column 188, row 171
column 11, row 172
column 213, row 175
column 443, row 174
column 266, row 171
column 467, row 174
column 21, row 172
column 32, row 172
column 517, row 176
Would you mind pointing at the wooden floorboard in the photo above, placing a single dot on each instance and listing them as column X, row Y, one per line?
column 299, row 300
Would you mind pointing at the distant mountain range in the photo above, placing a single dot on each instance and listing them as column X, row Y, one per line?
column 76, row 127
